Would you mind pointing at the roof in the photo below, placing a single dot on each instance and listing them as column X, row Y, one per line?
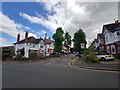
column 7, row 47
column 30, row 40
column 99, row 35
column 47, row 41
column 111, row 27
column 95, row 40
column 34, row 40
column 117, row 28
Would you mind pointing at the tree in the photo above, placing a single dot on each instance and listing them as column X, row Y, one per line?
column 79, row 37
column 67, row 42
column 58, row 37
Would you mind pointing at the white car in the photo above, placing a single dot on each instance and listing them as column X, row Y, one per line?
column 105, row 57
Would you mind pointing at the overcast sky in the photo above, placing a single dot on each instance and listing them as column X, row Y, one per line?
column 71, row 15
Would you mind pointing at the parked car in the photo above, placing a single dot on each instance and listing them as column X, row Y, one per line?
column 74, row 52
column 105, row 56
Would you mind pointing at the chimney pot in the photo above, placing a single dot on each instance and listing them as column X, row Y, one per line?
column 18, row 38
column 26, row 37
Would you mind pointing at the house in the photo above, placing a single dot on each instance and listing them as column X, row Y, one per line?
column 117, row 41
column 7, row 48
column 95, row 44
column 111, row 33
column 30, row 44
column 100, row 42
column 65, row 50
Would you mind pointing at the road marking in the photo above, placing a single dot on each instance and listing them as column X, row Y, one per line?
column 71, row 64
column 51, row 63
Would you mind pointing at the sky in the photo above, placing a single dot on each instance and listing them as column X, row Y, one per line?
column 39, row 18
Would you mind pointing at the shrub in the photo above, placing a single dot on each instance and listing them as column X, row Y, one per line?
column 117, row 56
column 92, row 58
column 33, row 55
column 18, row 57
column 5, row 56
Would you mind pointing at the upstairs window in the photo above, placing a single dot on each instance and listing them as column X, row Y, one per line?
column 41, row 46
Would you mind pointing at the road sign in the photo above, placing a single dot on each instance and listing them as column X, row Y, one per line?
column 82, row 45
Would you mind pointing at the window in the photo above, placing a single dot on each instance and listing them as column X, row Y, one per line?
column 41, row 46
column 33, row 45
column 118, row 49
column 118, row 33
column 106, row 38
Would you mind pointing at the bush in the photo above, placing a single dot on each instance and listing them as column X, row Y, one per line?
column 18, row 57
column 92, row 58
column 117, row 56
column 6, row 56
column 33, row 55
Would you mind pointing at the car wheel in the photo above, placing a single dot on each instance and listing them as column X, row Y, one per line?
column 103, row 59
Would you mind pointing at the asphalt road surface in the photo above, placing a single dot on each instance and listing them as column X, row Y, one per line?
column 55, row 73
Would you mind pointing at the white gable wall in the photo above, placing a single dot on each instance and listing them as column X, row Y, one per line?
column 110, row 37
column 33, row 46
column 20, row 46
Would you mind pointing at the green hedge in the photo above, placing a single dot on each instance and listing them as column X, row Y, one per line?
column 33, row 55
column 92, row 58
column 117, row 56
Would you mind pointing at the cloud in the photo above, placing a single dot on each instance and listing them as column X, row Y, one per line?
column 42, row 33
column 40, row 20
column 11, row 28
column 2, row 40
column 72, row 15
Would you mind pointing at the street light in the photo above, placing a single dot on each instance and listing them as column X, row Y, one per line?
column 45, row 45
column 45, row 51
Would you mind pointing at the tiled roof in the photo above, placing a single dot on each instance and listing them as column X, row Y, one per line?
column 111, row 27
column 34, row 40
column 99, row 35
column 47, row 41
column 30, row 40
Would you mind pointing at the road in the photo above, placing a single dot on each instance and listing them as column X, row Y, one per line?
column 55, row 73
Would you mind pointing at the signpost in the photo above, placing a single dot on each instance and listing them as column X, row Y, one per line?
column 83, row 46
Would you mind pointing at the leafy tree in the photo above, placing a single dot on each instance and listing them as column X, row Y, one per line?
column 58, row 37
column 67, row 42
column 79, row 37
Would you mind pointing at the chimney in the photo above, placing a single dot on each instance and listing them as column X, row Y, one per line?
column 49, row 38
column 116, row 21
column 26, row 37
column 18, row 38
column 45, row 38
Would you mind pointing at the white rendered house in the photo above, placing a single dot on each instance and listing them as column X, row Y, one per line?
column 30, row 44
column 111, row 33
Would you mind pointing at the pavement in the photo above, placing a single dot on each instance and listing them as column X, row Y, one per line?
column 103, row 65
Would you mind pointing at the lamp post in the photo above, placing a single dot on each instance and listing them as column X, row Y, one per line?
column 45, row 51
column 83, row 47
column 45, row 44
